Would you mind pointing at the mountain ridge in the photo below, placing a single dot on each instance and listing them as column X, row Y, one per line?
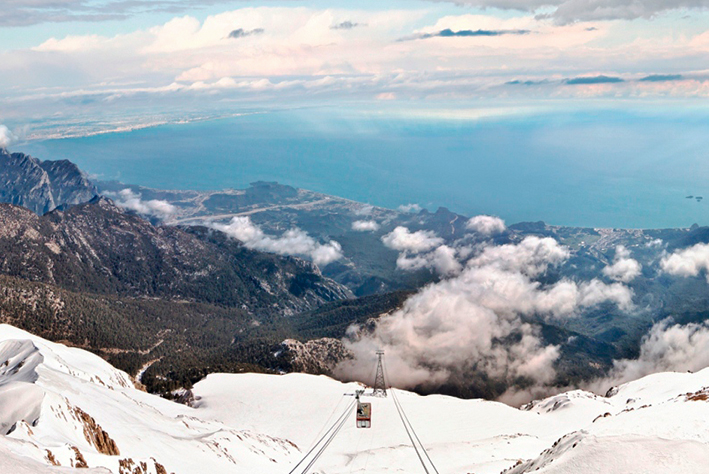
column 99, row 248
column 42, row 186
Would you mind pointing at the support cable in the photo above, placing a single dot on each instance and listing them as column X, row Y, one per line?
column 413, row 443
column 423, row 448
column 340, row 420
column 329, row 418
column 369, row 450
column 356, row 451
column 327, row 443
column 405, row 420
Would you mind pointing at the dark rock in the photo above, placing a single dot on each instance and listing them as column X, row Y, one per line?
column 97, row 247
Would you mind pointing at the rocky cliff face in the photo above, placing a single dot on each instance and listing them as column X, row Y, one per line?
column 41, row 186
column 98, row 248
column 317, row 356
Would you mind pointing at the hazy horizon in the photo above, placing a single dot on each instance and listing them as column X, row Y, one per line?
column 596, row 167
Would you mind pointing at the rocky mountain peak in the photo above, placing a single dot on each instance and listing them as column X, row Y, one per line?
column 41, row 186
column 104, row 203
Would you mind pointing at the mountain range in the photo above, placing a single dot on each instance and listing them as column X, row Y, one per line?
column 171, row 297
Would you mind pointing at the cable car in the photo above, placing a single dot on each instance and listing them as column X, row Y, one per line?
column 364, row 415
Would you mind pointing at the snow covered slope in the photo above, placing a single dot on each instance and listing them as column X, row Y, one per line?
column 66, row 406
column 654, row 417
column 658, row 424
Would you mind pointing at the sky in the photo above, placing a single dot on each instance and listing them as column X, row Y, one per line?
column 107, row 62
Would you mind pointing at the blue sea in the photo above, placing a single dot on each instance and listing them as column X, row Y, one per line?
column 597, row 167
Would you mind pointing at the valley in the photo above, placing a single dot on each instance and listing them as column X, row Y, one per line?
column 121, row 273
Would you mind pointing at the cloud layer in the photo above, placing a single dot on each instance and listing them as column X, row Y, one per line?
column 365, row 226
column 668, row 347
column 269, row 55
column 292, row 242
column 570, row 11
column 474, row 324
column 486, row 225
column 27, row 12
column 687, row 262
column 624, row 268
column 128, row 199
column 6, row 137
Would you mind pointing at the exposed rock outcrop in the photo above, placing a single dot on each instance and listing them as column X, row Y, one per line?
column 317, row 356
column 95, row 435
column 129, row 466
column 41, row 186
column 97, row 247
column 79, row 461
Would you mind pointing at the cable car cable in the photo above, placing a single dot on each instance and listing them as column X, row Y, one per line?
column 343, row 415
column 423, row 448
column 400, row 408
column 339, row 419
column 369, row 450
column 327, row 443
column 413, row 443
column 356, row 450
column 329, row 418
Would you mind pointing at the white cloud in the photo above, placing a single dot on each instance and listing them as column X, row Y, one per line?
column 75, row 43
column 687, row 262
column 458, row 325
column 423, row 249
column 292, row 242
column 410, row 208
column 190, row 61
column 624, row 268
column 570, row 11
column 487, row 225
column 133, row 201
column 6, row 137
column 403, row 239
column 530, row 257
column 364, row 210
column 667, row 347
column 443, row 260
column 365, row 226
column 564, row 298
column 595, row 292
column 655, row 243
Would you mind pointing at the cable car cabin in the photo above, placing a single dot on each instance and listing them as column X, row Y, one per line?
column 364, row 415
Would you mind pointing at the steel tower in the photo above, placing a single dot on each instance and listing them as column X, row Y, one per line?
column 380, row 388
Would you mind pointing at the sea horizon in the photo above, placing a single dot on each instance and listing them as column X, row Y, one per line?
column 527, row 166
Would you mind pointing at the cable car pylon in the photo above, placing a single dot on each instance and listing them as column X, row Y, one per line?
column 380, row 388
